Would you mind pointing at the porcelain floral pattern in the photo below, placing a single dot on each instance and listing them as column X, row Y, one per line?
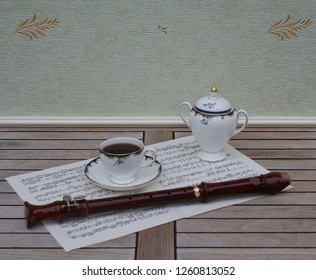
column 205, row 118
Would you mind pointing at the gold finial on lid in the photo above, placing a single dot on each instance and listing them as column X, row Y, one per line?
column 214, row 89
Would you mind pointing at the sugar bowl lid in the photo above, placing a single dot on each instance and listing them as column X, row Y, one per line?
column 213, row 104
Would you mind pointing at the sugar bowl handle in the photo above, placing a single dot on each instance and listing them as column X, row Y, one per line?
column 181, row 112
column 245, row 123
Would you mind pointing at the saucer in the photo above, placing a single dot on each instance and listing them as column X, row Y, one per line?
column 96, row 173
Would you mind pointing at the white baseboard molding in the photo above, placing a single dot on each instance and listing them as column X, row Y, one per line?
column 142, row 121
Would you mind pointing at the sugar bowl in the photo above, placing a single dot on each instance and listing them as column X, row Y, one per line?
column 213, row 122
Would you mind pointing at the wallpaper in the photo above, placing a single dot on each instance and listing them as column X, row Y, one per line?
column 143, row 58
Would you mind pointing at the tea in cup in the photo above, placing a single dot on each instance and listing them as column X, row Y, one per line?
column 122, row 157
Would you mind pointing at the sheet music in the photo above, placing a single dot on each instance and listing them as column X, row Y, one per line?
column 180, row 167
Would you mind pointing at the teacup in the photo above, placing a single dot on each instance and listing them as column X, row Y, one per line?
column 122, row 157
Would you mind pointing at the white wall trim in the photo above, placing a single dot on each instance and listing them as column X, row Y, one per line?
column 138, row 121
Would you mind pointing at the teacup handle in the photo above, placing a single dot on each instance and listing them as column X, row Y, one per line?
column 245, row 123
column 181, row 114
column 150, row 158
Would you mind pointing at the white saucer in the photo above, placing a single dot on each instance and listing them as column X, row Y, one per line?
column 96, row 173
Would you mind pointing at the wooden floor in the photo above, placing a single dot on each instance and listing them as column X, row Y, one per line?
column 273, row 227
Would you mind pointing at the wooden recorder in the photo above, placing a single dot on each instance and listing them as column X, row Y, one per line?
column 269, row 183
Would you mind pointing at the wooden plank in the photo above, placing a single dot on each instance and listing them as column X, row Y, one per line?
column 158, row 242
column 176, row 128
column 242, row 211
column 19, row 226
column 46, row 240
column 286, row 198
column 273, row 144
column 260, row 135
column 287, row 164
column 277, row 135
column 297, row 129
column 48, row 154
column 152, row 137
column 179, row 134
column 299, row 175
column 5, row 129
column 66, row 128
column 50, row 144
column 59, row 140
column 303, row 186
column 5, row 187
column 60, row 254
column 10, row 199
column 279, row 154
column 92, row 128
column 57, row 144
column 246, row 240
column 246, row 225
column 11, row 212
column 66, row 135
column 33, row 164
column 246, row 254
column 267, row 135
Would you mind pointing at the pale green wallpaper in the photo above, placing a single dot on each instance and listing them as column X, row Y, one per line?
column 141, row 57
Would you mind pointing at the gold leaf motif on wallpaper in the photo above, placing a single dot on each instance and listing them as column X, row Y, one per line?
column 162, row 29
column 34, row 29
column 285, row 29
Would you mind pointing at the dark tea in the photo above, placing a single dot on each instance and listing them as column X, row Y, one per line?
column 120, row 149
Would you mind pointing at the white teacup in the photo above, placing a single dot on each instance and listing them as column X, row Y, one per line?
column 122, row 157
